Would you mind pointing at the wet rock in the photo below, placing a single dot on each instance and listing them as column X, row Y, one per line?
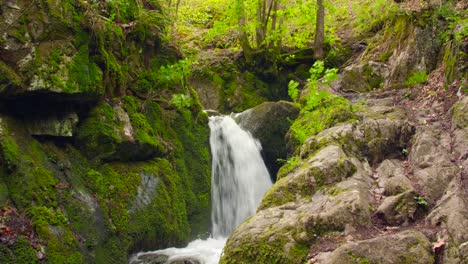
column 146, row 191
column 269, row 123
column 406, row 247
column 391, row 177
column 418, row 53
column 149, row 258
column 399, row 209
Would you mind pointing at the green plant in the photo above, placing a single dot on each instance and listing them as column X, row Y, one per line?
column 321, row 109
column 181, row 101
column 293, row 90
column 290, row 164
column 416, row 78
column 421, row 201
column 404, row 152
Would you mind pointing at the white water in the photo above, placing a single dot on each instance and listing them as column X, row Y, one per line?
column 239, row 179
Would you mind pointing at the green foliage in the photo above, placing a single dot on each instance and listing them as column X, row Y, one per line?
column 371, row 14
column 293, row 90
column 421, row 201
column 20, row 252
column 289, row 165
column 181, row 101
column 416, row 78
column 43, row 216
column 321, row 109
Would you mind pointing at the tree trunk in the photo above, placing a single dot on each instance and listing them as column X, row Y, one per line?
column 260, row 30
column 319, row 53
column 243, row 38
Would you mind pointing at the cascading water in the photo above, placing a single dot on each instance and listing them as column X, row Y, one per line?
column 239, row 180
column 239, row 176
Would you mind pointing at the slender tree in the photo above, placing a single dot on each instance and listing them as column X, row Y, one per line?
column 319, row 53
column 243, row 38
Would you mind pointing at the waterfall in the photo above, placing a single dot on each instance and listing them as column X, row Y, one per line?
column 239, row 176
column 239, row 180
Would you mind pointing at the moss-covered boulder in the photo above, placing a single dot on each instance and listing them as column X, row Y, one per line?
column 118, row 131
column 282, row 232
column 362, row 77
column 329, row 166
column 269, row 122
column 409, row 246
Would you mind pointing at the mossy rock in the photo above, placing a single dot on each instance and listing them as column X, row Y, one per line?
column 409, row 246
column 327, row 167
column 119, row 132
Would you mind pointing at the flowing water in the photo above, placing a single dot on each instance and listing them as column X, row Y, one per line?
column 239, row 179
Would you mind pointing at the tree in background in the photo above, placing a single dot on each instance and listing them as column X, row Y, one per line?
column 319, row 53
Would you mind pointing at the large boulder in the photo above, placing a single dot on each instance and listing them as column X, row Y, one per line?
column 283, row 234
column 269, row 123
column 383, row 133
column 327, row 167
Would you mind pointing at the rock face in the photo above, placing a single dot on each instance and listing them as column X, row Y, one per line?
column 269, row 123
column 90, row 174
column 327, row 191
column 406, row 247
column 330, row 193
column 111, row 133
column 40, row 56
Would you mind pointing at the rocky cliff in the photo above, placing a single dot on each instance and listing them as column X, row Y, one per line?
column 92, row 168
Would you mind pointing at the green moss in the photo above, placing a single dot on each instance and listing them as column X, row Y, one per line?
column 23, row 252
column 329, row 111
column 42, row 216
column 358, row 259
column 264, row 252
column 83, row 74
column 100, row 132
column 10, row 152
column 280, row 193
column 8, row 77
column 418, row 77
column 143, row 131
